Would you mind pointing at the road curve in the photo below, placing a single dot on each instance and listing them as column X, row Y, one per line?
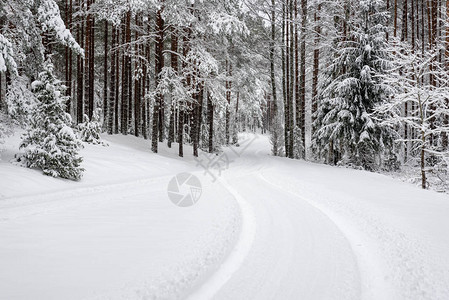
column 297, row 252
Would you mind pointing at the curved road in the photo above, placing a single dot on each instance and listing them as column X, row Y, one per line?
column 295, row 252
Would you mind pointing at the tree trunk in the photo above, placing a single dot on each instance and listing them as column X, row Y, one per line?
column 80, row 72
column 145, row 83
column 137, row 83
column 316, row 60
column 404, row 36
column 395, row 18
column 274, row 120
column 105, row 75
column 68, row 58
column 284, row 80
column 174, row 65
column 303, row 72
column 228, row 101
column 112, row 100
column 210, row 119
column 197, row 119
column 92, row 67
column 182, row 110
column 117, row 85
column 87, row 49
column 291, row 81
column 126, row 69
column 157, row 130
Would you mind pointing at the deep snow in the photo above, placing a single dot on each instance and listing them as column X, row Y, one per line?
column 268, row 228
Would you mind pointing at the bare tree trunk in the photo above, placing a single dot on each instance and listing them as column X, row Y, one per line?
column 296, row 77
column 105, row 74
column 144, row 92
column 145, row 83
column 92, row 67
column 303, row 72
column 273, row 81
column 387, row 33
column 80, row 71
column 174, row 65
column 291, row 81
column 446, row 64
column 137, row 82
column 126, row 69
column 87, row 49
column 228, row 101
column 284, row 55
column 68, row 58
column 236, row 120
column 316, row 60
column 197, row 119
column 159, row 62
column 182, row 110
column 395, row 18
column 404, row 39
column 210, row 119
column 117, row 85
column 112, row 96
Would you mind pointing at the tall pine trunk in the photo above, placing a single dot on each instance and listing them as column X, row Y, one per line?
column 105, row 74
column 159, row 62
column 284, row 80
column 210, row 120
column 316, row 59
column 80, row 70
column 228, row 101
column 126, row 69
column 274, row 120
column 137, row 82
column 112, row 96
column 303, row 71
column 174, row 65
column 291, row 81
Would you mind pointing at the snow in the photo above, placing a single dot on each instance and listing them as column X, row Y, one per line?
column 6, row 56
column 269, row 228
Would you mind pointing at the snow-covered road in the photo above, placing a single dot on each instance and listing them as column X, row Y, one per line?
column 268, row 228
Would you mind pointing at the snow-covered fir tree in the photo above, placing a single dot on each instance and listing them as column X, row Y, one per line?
column 349, row 91
column 89, row 131
column 49, row 143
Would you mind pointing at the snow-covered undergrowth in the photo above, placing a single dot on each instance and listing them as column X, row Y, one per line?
column 114, row 234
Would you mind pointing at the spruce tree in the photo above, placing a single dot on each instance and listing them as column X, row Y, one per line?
column 50, row 144
column 350, row 90
column 89, row 131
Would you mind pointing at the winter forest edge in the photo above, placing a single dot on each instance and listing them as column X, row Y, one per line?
column 362, row 84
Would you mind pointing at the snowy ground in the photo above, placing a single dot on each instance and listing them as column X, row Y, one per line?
column 267, row 228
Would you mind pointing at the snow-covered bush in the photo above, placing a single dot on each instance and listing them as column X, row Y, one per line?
column 7, row 61
column 5, row 129
column 20, row 100
column 89, row 131
column 50, row 144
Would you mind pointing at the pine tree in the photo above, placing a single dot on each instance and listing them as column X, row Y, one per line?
column 89, row 131
column 49, row 143
column 351, row 89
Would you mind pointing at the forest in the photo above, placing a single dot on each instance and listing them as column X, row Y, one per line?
column 356, row 83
